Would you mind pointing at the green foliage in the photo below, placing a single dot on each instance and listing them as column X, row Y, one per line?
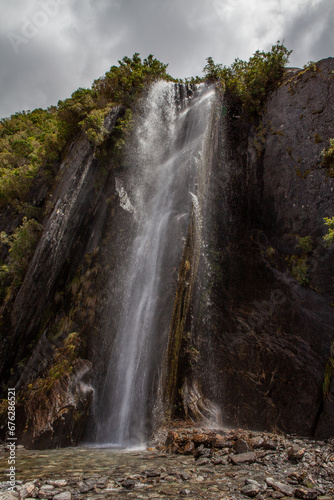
column 28, row 140
column 22, row 244
column 311, row 65
column 74, row 110
column 121, row 84
column 62, row 366
column 249, row 83
column 93, row 125
column 122, row 130
column 300, row 269
column 327, row 157
column 306, row 244
column 329, row 237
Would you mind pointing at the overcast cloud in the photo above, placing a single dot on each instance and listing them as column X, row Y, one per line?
column 49, row 48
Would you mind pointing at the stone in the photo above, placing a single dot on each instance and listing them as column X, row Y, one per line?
column 295, row 453
column 171, row 438
column 60, row 483
column 201, row 451
column 152, row 473
column 202, row 439
column 185, row 475
column 185, row 492
column 189, row 448
column 269, row 445
column 64, row 495
column 306, row 493
column 28, row 490
column 128, row 484
column 243, row 458
column 283, row 488
column 250, row 490
column 241, row 446
column 218, row 442
column 10, row 495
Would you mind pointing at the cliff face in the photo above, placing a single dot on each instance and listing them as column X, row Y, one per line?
column 253, row 328
column 268, row 329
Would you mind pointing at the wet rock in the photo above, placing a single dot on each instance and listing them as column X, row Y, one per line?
column 201, row 451
column 250, row 490
column 129, row 484
column 295, row 453
column 243, row 458
column 283, row 488
column 189, row 448
column 10, row 495
column 257, row 442
column 185, row 475
column 202, row 439
column 152, row 473
column 85, row 487
column 269, row 445
column 241, row 446
column 219, row 442
column 305, row 493
column 60, row 483
column 29, row 490
column 64, row 495
column 171, row 439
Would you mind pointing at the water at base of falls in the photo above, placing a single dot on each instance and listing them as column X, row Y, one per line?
column 165, row 156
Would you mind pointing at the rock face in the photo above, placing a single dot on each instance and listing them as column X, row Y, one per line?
column 263, row 337
column 252, row 336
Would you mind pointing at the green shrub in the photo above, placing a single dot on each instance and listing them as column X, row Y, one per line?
column 306, row 244
column 327, row 156
column 329, row 237
column 22, row 244
column 300, row 269
column 249, row 83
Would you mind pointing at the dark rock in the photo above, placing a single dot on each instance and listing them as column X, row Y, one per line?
column 241, row 446
column 128, row 484
column 65, row 495
column 250, row 490
column 185, row 475
column 152, row 473
column 295, row 454
column 282, row 488
column 306, row 493
column 243, row 458
column 201, row 451
column 189, row 448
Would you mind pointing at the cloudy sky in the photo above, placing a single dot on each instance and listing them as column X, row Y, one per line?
column 49, row 48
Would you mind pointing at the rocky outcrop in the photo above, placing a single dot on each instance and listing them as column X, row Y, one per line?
column 55, row 417
column 265, row 325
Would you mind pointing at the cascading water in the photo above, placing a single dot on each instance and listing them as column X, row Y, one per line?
column 165, row 157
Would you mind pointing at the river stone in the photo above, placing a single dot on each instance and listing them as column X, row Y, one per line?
column 283, row 488
column 64, row 495
column 189, row 448
column 241, row 446
column 28, row 490
column 128, row 483
column 305, row 493
column 243, row 458
column 295, row 453
column 10, row 495
column 251, row 490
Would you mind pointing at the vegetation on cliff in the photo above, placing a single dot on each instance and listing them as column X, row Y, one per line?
column 248, row 83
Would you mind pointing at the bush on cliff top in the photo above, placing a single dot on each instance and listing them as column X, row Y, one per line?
column 249, row 83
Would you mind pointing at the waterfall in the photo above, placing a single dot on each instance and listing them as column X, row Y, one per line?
column 164, row 158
